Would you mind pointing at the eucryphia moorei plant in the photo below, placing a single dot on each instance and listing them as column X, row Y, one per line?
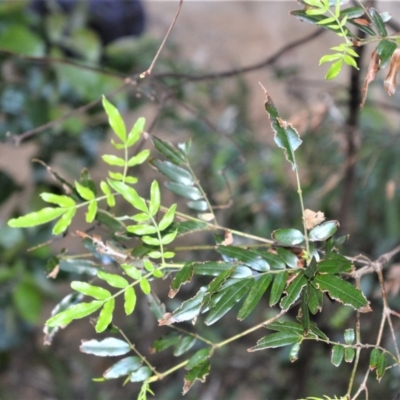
column 294, row 269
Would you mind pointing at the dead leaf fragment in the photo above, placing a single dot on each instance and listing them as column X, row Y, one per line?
column 54, row 272
column 312, row 218
column 166, row 319
column 373, row 68
column 361, row 21
column 391, row 78
column 228, row 239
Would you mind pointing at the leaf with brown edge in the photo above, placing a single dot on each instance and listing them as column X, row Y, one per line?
column 199, row 372
column 373, row 68
column 390, row 82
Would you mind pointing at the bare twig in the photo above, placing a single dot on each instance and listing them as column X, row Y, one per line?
column 150, row 69
column 238, row 71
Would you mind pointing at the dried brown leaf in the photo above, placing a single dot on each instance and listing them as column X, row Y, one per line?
column 373, row 68
column 391, row 78
column 228, row 239
column 312, row 218
column 361, row 21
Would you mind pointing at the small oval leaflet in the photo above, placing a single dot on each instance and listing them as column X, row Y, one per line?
column 109, row 347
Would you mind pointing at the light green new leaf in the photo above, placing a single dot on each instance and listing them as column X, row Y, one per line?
column 155, row 198
column 342, row 291
column 105, row 317
column 109, row 347
column 168, row 218
column 91, row 212
column 105, row 188
column 113, row 280
column 145, row 285
column 84, row 192
column 131, row 271
column 129, row 194
column 123, row 367
column 349, row 60
column 129, row 300
column 141, row 217
column 168, row 238
column 78, row 311
column 36, row 218
column 61, row 201
column 90, row 290
column 148, row 265
column 151, row 241
column 135, row 132
column 329, row 58
column 116, row 122
column 141, row 229
column 286, row 137
column 278, row 339
column 139, row 158
column 116, row 175
column 334, row 70
column 254, row 296
column 64, row 222
column 113, row 160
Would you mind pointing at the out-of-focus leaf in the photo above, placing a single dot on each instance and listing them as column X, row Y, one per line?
column 109, row 347
column 131, row 271
column 278, row 339
column 294, row 352
column 139, row 158
column 199, row 372
column 140, row 375
column 78, row 266
column 349, row 336
column 248, row 257
column 164, row 343
column 105, row 316
column 168, row 151
column 115, row 120
column 277, row 287
column 145, row 285
column 168, row 218
column 189, row 192
column 135, row 132
column 28, row 301
column 254, row 296
column 155, row 198
column 113, row 280
column 334, row 70
column 110, row 159
column 286, row 136
column 59, row 200
column 141, row 229
column 19, row 39
column 123, row 367
column 173, row 172
column 110, row 221
column 129, row 300
column 349, row 354
column 381, row 367
column 91, row 212
column 385, row 50
column 342, row 291
column 378, row 22
column 285, row 326
column 352, row 12
column 323, row 231
column 198, row 205
column 187, row 227
column 214, row 268
column 230, row 297
column 337, row 355
column 288, row 237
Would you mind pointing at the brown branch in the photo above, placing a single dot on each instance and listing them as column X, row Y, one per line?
column 150, row 69
column 238, row 71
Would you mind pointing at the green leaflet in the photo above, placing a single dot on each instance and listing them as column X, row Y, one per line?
column 337, row 355
column 109, row 347
column 135, row 132
column 59, row 200
column 115, row 120
column 277, row 287
column 129, row 194
column 288, row 237
column 278, row 339
column 182, row 276
column 248, row 257
column 89, row 290
column 139, row 158
column 293, row 291
column 123, row 367
column 168, row 218
column 129, row 300
column 164, row 343
column 113, row 280
column 105, row 316
column 64, row 222
column 199, row 372
column 36, row 218
column 155, row 198
column 199, row 357
column 140, row 375
column 184, row 345
column 334, row 264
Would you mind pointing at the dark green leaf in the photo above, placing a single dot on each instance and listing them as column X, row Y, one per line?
column 288, row 237
column 314, row 329
column 352, row 12
column 188, row 310
column 381, row 367
column 334, row 264
column 115, row 120
column 197, row 373
column 248, row 257
column 91, row 212
column 305, row 315
column 182, row 276
column 349, row 354
column 378, row 22
column 254, row 296
column 285, row 326
column 113, row 280
column 274, row 261
column 36, row 218
column 78, row 311
column 189, row 192
column 363, row 28
column 187, row 227
column 342, row 291
column 199, row 358
column 278, row 339
column 374, row 358
column 337, row 355
column 286, row 137
column 164, row 343
column 230, row 297
column 105, row 316
column 293, row 291
column 27, row 301
column 214, row 268
column 323, row 231
column 110, row 221
column 140, row 375
column 89, row 290
column 277, row 287
column 184, row 345
column 385, row 49
column 77, row 266
column 173, row 172
column 156, row 306
column 314, row 298
column 123, row 367
column 109, row 347
column 215, row 286
column 288, row 257
column 168, row 151
column 129, row 300
column 349, row 336
column 311, row 270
